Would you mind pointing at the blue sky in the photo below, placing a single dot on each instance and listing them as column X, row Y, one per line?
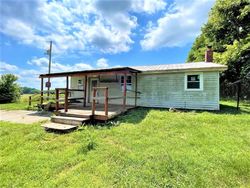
column 90, row 34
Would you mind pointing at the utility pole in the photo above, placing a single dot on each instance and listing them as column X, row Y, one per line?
column 48, row 84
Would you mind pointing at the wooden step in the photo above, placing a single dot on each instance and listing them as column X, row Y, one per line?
column 68, row 120
column 68, row 114
column 59, row 126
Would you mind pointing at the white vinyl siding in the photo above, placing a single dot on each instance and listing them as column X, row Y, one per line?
column 168, row 90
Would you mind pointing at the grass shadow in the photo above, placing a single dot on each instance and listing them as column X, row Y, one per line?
column 224, row 109
column 59, row 132
column 40, row 113
column 133, row 116
column 227, row 109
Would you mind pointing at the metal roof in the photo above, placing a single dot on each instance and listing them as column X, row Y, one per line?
column 91, row 71
column 181, row 67
column 198, row 66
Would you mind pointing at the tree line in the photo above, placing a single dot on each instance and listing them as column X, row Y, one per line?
column 228, row 31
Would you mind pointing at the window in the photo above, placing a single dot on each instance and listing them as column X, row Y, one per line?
column 194, row 81
column 129, row 82
column 79, row 82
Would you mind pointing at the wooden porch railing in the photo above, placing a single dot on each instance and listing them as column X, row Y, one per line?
column 66, row 98
column 105, row 100
column 38, row 97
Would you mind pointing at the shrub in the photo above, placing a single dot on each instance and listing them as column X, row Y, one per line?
column 9, row 89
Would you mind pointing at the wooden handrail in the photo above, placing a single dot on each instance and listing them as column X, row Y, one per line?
column 76, row 90
column 100, row 87
column 60, row 88
column 66, row 98
column 105, row 100
column 133, row 91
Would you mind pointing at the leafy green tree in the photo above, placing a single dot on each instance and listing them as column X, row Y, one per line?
column 9, row 89
column 237, row 57
column 197, row 52
column 228, row 31
column 28, row 90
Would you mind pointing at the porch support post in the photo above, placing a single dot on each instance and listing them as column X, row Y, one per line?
column 135, row 89
column 57, row 99
column 106, row 101
column 48, row 89
column 29, row 100
column 93, row 103
column 124, row 90
column 85, row 91
column 66, row 95
column 41, row 91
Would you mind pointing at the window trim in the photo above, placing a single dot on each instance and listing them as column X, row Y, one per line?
column 201, row 81
column 127, row 84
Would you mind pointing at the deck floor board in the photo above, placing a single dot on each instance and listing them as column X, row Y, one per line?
column 78, row 110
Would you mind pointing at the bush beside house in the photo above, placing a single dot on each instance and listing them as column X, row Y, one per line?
column 9, row 89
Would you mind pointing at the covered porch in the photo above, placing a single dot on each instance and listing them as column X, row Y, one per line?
column 93, row 96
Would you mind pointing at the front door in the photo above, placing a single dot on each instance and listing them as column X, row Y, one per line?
column 93, row 82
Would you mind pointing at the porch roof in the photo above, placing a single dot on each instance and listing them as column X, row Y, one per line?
column 116, row 70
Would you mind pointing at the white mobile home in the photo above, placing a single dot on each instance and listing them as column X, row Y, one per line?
column 186, row 86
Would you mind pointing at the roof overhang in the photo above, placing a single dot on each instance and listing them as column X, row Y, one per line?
column 110, row 71
column 215, row 69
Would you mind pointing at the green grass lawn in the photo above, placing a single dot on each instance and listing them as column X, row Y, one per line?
column 144, row 148
column 22, row 104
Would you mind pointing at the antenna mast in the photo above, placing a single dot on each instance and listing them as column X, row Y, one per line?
column 49, row 52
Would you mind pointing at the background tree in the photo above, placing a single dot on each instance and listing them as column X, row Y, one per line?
column 28, row 90
column 9, row 89
column 228, row 31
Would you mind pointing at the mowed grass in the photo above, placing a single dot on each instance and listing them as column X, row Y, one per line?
column 22, row 104
column 143, row 148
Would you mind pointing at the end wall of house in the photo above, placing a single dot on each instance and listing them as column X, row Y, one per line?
column 168, row 90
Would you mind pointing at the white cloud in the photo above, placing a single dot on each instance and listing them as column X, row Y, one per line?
column 39, row 61
column 148, row 6
column 118, row 6
column 178, row 26
column 112, row 6
column 73, row 25
column 102, row 63
column 25, row 77
column 108, row 40
column 43, row 63
column 82, row 66
column 5, row 67
column 22, row 32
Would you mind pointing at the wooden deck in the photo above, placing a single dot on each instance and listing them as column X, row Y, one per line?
column 77, row 110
